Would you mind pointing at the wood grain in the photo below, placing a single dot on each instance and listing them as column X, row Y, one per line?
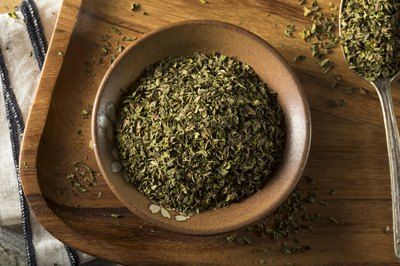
column 8, row 5
column 348, row 150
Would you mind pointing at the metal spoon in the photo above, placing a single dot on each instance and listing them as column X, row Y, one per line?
column 383, row 88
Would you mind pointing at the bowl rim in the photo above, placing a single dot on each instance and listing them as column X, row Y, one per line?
column 305, row 109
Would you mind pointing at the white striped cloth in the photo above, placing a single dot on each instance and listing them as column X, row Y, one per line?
column 21, row 62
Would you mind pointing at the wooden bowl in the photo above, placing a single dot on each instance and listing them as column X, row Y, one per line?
column 208, row 36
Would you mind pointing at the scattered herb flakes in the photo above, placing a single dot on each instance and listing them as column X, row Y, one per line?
column 289, row 30
column 104, row 50
column 332, row 220
column 291, row 218
column 243, row 240
column 371, row 37
column 311, row 196
column 13, row 15
column 128, row 39
column 386, row 230
column 88, row 68
column 116, row 30
column 135, row 6
column 99, row 195
column 59, row 53
column 321, row 34
column 350, row 90
column 86, row 113
column 310, row 180
column 307, row 11
column 336, row 80
column 205, row 132
column 120, row 48
column 113, row 215
column 203, row 1
column 91, row 144
column 337, row 103
column 145, row 13
column 323, row 203
column 363, row 91
column 299, row 58
column 262, row 261
column 267, row 252
column 332, row 192
column 333, row 7
column 293, row 250
column 112, row 59
column 83, row 177
column 231, row 238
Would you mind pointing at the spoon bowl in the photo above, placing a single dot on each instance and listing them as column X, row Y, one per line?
column 383, row 88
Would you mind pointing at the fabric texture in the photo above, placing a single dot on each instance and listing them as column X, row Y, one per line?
column 23, row 74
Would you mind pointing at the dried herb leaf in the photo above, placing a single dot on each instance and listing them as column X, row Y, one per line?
column 199, row 132
column 135, row 6
column 371, row 37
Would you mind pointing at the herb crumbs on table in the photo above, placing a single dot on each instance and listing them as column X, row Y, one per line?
column 116, row 30
column 13, row 15
column 128, row 39
column 310, row 179
column 350, row 90
column 332, row 220
column 120, row 48
column 113, row 215
column 323, row 203
column 336, row 103
column 321, row 35
column 301, row 2
column 203, row 1
column 85, row 113
column 135, row 6
column 82, row 177
column 60, row 53
column 293, row 250
column 289, row 30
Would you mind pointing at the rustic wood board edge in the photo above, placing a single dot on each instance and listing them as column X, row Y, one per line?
column 37, row 116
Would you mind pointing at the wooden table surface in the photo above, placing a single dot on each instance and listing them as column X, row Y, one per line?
column 348, row 151
column 8, row 5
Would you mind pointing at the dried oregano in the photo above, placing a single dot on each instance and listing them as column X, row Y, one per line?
column 371, row 37
column 199, row 132
column 321, row 34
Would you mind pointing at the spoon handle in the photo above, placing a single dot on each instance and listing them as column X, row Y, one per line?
column 393, row 146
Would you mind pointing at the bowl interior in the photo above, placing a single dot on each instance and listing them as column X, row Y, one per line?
column 208, row 36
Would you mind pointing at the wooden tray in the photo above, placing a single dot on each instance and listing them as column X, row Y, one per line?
column 348, row 151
